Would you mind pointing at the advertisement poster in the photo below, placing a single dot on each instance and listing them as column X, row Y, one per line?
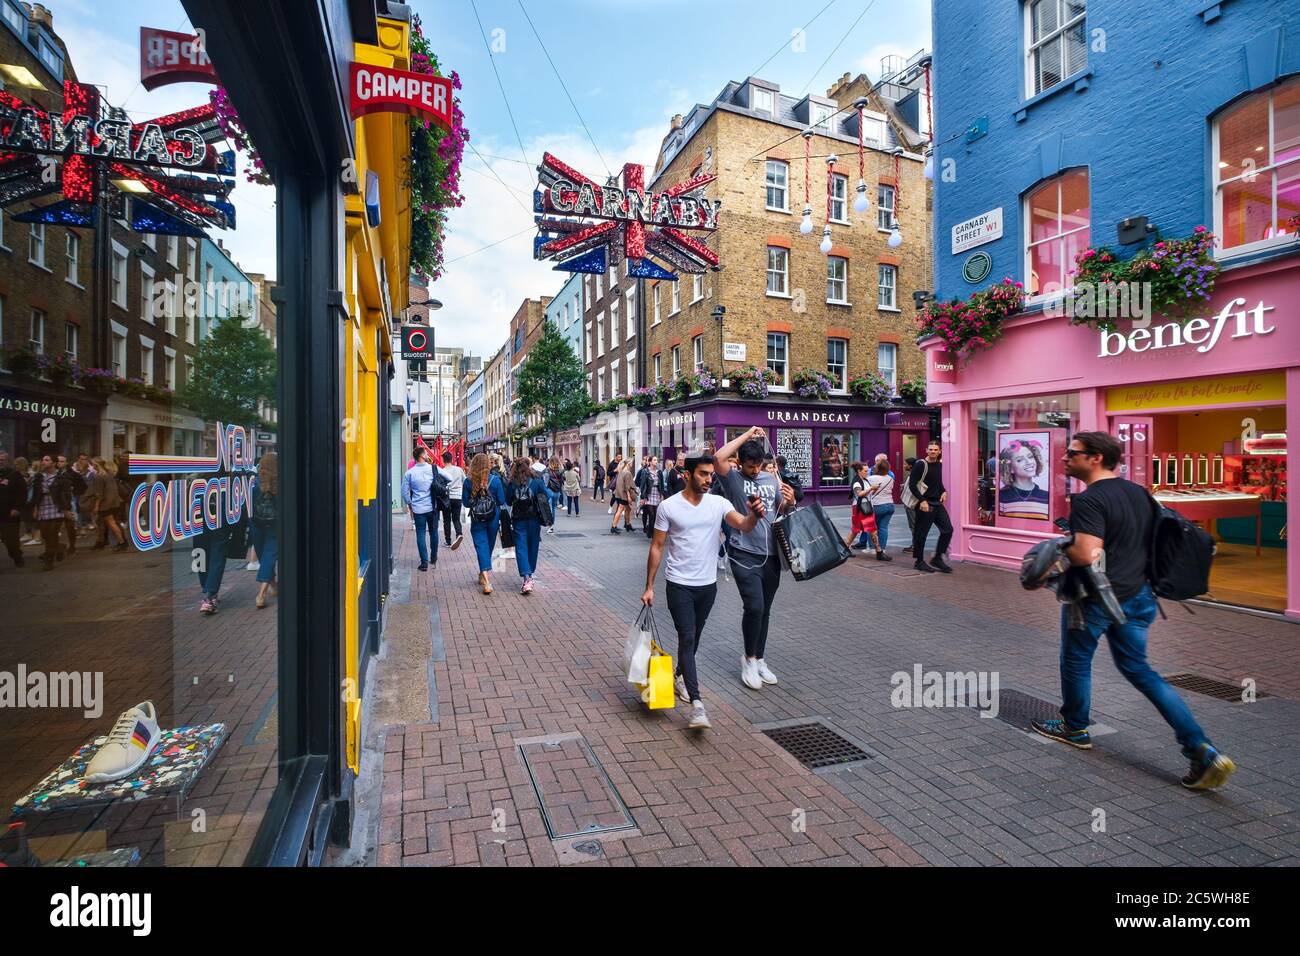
column 795, row 445
column 1024, row 475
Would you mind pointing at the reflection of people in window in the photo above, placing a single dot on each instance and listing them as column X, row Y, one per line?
column 832, row 459
column 1020, row 463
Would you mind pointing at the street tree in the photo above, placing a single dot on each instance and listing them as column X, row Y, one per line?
column 234, row 372
column 554, row 382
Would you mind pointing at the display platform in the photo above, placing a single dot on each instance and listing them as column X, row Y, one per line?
column 170, row 772
column 122, row 856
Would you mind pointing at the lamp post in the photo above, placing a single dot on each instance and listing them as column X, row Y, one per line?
column 719, row 311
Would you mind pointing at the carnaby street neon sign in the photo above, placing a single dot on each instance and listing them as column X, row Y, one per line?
column 184, row 507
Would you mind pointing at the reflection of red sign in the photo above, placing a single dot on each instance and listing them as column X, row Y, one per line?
column 943, row 367
column 379, row 89
column 167, row 57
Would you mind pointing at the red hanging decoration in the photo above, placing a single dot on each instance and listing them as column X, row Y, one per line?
column 830, row 184
column 929, row 119
column 807, row 160
column 898, row 186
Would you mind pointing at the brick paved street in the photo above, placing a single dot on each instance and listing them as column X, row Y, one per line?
column 943, row 785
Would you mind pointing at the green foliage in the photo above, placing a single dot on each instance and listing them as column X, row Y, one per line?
column 553, row 381
column 234, row 370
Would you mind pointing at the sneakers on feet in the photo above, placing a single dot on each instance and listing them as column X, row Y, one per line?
column 1058, row 730
column 764, row 672
column 129, row 744
column 253, row 566
column 939, row 564
column 424, row 566
column 883, row 556
column 205, row 606
column 550, row 530
column 1209, row 769
column 922, row 566
column 679, row 687
column 528, row 585
column 749, row 674
column 699, row 717
column 456, row 544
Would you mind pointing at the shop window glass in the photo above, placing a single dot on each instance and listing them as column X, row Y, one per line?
column 1059, row 217
column 836, row 451
column 1017, row 474
column 837, row 361
column 1257, row 169
column 129, row 633
column 778, row 350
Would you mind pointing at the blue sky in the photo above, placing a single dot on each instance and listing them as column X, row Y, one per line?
column 629, row 66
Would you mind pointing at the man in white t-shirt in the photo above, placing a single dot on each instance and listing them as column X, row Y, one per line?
column 688, row 522
column 455, row 476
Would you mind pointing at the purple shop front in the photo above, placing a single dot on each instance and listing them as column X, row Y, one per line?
column 819, row 440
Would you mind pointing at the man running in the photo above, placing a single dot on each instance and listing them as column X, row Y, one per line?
column 754, row 559
column 930, row 509
column 1111, row 521
column 689, row 523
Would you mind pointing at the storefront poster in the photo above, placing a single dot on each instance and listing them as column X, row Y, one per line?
column 795, row 445
column 1024, row 473
column 836, row 454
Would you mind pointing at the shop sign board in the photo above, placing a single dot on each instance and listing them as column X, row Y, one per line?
column 734, row 351
column 943, row 367
column 167, row 57
column 1203, row 333
column 986, row 227
column 417, row 343
column 382, row 89
column 1192, row 393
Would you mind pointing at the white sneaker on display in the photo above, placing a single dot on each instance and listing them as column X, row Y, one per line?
column 765, row 672
column 128, row 746
column 749, row 674
column 699, row 717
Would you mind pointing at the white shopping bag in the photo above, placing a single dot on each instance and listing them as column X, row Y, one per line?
column 636, row 649
column 503, row 559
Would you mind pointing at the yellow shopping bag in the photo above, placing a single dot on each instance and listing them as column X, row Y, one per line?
column 658, row 694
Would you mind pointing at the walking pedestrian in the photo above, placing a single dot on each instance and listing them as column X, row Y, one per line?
column 650, row 486
column 522, row 493
column 909, row 509
column 455, row 478
column 624, row 498
column 487, row 496
column 554, row 488
column 13, row 503
column 755, row 563
column 417, row 492
column 572, row 489
column 50, row 500
column 688, row 524
column 30, row 532
column 212, row 545
column 1111, row 519
column 881, row 496
column 598, row 483
column 611, row 479
column 675, row 479
column 862, row 533
column 926, row 483
column 265, row 524
column 77, row 485
column 105, row 499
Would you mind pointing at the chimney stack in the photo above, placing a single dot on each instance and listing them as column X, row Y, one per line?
column 677, row 121
column 42, row 15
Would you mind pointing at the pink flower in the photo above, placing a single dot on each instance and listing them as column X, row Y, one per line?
column 1199, row 229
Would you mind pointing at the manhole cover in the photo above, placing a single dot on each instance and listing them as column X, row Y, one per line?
column 816, row 746
column 576, row 795
column 1220, row 690
column 588, row 847
column 570, row 534
column 1018, row 709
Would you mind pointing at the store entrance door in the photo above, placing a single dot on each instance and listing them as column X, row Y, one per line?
column 902, row 446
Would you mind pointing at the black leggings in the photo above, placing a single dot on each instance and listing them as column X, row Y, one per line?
column 648, row 513
column 937, row 516
column 690, row 608
column 757, row 580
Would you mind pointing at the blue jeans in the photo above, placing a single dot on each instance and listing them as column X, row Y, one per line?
column 484, row 534
column 556, row 499
column 427, row 523
column 883, row 515
column 266, row 545
column 1128, row 646
column 528, row 537
column 214, row 560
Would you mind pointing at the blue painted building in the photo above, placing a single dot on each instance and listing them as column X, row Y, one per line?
column 565, row 310
column 474, row 411
column 1063, row 126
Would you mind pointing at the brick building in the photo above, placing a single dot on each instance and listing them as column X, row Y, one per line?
column 785, row 304
column 496, row 405
column 525, row 329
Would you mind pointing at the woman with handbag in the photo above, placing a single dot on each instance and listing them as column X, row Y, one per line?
column 624, row 497
column 864, row 519
column 530, row 505
column 881, row 495
column 486, row 497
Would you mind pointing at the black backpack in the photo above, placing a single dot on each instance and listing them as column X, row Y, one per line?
column 525, row 503
column 440, row 492
column 1179, row 561
column 482, row 507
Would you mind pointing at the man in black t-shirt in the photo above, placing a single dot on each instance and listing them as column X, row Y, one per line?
column 1111, row 524
column 930, row 509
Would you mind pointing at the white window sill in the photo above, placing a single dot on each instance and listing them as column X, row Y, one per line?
column 779, row 388
column 888, row 308
column 4, row 248
column 779, row 295
column 844, row 302
column 839, row 222
column 1255, row 248
column 700, row 299
column 776, row 209
column 656, row 322
column 40, row 265
column 671, row 314
column 74, row 283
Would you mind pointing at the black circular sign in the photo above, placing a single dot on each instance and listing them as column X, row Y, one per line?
column 977, row 267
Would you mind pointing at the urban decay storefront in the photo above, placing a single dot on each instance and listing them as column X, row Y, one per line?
column 1203, row 407
column 818, row 441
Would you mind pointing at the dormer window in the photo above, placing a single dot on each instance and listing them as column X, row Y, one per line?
column 762, row 100
column 821, row 116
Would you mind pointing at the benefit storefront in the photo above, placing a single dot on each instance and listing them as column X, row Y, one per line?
column 819, row 441
column 1204, row 408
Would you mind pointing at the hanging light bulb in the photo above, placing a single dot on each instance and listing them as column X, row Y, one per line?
column 805, row 224
column 826, row 240
column 929, row 164
column 895, row 237
column 861, row 203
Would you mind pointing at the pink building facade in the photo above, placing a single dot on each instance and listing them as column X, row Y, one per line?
column 1203, row 406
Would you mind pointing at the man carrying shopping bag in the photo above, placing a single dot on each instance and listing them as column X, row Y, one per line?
column 688, row 522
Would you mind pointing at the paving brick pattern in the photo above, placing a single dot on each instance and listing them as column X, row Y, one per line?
column 948, row 787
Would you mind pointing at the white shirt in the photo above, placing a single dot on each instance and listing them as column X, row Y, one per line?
column 692, row 537
column 455, row 480
column 881, row 492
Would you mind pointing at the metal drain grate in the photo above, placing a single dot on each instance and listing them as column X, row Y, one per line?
column 1018, row 709
column 1220, row 690
column 575, row 794
column 816, row 746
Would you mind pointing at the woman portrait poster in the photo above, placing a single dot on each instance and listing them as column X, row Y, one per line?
column 834, row 470
column 1024, row 475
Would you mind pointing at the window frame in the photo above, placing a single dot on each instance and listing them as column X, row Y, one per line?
column 762, row 91
column 883, row 269
column 844, row 281
column 769, row 184
column 784, row 340
column 784, row 272
column 842, row 365
column 629, row 312
column 36, row 238
column 72, row 244
column 676, row 298
column 600, row 334
column 654, row 294
column 659, row 368
column 883, row 190
column 36, row 322
column 697, row 352
column 697, row 288
column 842, row 201
column 1026, row 214
column 71, row 336
column 1032, row 46
column 677, row 362
column 892, row 378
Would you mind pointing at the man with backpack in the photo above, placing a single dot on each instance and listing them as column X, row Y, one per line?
column 598, row 485
column 1112, row 522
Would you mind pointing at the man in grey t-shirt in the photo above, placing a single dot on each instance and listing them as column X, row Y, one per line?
column 754, row 559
